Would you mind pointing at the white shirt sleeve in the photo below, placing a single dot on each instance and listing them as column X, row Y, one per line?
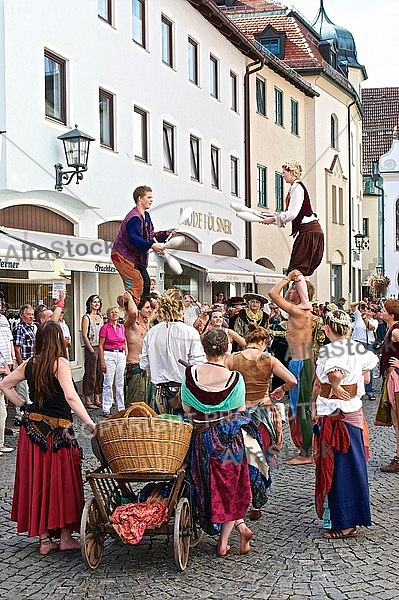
column 297, row 194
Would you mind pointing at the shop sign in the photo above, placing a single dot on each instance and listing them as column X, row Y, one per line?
column 210, row 222
column 9, row 264
column 104, row 268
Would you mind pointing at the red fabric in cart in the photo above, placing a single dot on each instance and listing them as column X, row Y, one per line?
column 131, row 520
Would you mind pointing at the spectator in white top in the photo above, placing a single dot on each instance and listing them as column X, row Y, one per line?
column 364, row 331
column 164, row 345
column 7, row 362
column 191, row 309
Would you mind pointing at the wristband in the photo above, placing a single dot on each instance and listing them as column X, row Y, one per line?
column 59, row 303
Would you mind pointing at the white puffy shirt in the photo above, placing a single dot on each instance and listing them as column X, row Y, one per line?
column 351, row 358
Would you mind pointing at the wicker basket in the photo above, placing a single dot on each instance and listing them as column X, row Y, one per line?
column 143, row 444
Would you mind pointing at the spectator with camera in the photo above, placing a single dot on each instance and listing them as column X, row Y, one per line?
column 364, row 329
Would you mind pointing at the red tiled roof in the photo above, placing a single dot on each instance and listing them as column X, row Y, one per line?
column 381, row 115
column 253, row 16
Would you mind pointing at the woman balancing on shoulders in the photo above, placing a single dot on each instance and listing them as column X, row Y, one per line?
column 48, row 487
column 223, row 481
column 307, row 251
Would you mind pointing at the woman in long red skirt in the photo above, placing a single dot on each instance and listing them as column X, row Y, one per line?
column 48, row 487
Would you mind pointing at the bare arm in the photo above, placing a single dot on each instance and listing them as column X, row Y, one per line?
column 64, row 377
column 85, row 331
column 275, row 295
column 130, row 308
column 8, row 384
column 335, row 378
column 281, row 371
column 101, row 341
column 233, row 335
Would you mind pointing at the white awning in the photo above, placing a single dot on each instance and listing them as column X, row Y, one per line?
column 228, row 268
column 31, row 250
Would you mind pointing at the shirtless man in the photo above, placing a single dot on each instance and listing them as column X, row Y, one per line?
column 137, row 323
column 299, row 338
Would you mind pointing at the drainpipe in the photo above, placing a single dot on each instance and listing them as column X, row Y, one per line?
column 350, row 198
column 247, row 149
column 381, row 211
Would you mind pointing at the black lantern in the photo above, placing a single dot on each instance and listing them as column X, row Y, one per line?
column 76, row 148
column 361, row 241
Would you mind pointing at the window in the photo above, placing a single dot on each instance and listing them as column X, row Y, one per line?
column 106, row 109
column 140, row 134
column 233, row 91
column 341, row 206
column 366, row 226
column 272, row 44
column 168, row 147
column 261, row 96
column 193, row 61
column 261, row 185
column 279, row 190
column 234, row 175
column 194, row 158
column 215, row 176
column 334, row 214
column 138, row 22
column 278, row 107
column 214, row 77
column 334, row 132
column 167, row 41
column 55, row 87
column 294, row 117
column 104, row 9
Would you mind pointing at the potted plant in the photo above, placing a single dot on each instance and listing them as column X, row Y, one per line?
column 378, row 284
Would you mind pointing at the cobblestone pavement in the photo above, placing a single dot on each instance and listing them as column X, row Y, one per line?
column 289, row 560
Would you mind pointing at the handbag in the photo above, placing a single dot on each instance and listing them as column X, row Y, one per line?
column 383, row 415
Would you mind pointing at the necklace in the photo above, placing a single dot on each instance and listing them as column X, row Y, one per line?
column 215, row 364
column 252, row 348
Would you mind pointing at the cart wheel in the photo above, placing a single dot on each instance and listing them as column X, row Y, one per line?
column 182, row 534
column 91, row 536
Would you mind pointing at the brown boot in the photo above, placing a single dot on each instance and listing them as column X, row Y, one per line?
column 392, row 467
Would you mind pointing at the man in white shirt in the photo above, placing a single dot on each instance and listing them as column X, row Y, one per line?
column 7, row 362
column 164, row 345
column 364, row 329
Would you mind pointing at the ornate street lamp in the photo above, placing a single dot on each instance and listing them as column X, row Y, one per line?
column 361, row 241
column 379, row 269
column 76, row 148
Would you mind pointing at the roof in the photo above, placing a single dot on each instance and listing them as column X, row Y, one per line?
column 302, row 41
column 381, row 115
column 220, row 19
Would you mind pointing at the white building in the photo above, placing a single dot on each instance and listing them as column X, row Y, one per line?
column 160, row 87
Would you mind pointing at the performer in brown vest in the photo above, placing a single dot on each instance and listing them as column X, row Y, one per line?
column 308, row 248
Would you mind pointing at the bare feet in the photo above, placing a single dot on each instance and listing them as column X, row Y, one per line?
column 300, row 460
column 245, row 536
column 69, row 544
column 222, row 551
column 46, row 546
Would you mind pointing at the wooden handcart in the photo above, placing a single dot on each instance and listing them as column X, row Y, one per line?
column 108, row 487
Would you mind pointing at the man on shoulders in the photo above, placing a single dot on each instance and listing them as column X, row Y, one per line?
column 296, row 304
column 137, row 323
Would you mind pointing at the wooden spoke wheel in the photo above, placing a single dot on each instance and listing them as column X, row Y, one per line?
column 182, row 533
column 91, row 534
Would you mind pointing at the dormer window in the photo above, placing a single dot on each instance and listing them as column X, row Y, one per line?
column 272, row 40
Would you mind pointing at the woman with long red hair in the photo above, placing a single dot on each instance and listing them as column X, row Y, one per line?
column 48, row 487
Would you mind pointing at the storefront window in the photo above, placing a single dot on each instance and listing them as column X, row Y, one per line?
column 34, row 287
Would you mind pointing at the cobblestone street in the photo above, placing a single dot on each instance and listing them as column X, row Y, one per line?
column 289, row 560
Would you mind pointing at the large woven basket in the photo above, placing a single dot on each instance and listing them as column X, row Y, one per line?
column 143, row 444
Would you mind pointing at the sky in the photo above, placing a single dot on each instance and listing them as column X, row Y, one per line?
column 374, row 28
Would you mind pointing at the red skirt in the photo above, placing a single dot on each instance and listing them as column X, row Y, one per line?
column 48, row 488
